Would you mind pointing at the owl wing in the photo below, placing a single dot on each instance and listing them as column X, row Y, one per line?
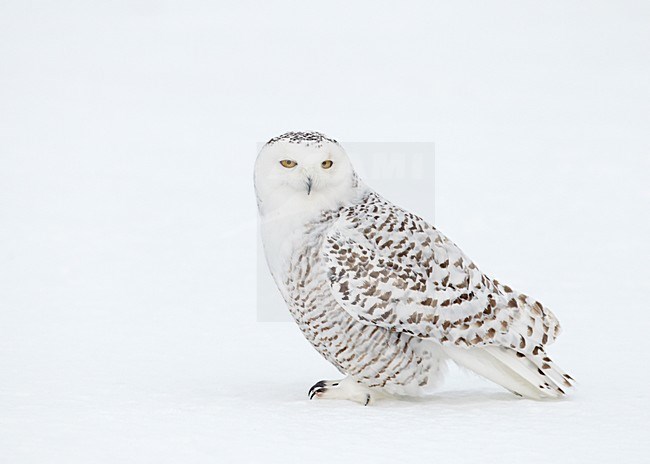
column 392, row 269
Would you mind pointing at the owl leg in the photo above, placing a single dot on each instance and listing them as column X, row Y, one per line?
column 346, row 389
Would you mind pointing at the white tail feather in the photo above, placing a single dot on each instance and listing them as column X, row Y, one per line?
column 527, row 368
column 520, row 373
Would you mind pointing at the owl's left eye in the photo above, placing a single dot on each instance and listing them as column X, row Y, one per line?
column 327, row 164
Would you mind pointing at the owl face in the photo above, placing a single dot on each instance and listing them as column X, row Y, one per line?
column 298, row 169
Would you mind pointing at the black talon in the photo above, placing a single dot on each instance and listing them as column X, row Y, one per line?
column 316, row 388
column 320, row 390
column 318, row 384
column 367, row 399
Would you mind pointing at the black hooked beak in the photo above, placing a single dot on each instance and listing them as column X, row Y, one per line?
column 309, row 184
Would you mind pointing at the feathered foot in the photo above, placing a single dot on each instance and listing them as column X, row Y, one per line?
column 346, row 389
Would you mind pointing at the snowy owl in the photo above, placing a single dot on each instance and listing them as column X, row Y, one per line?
column 382, row 294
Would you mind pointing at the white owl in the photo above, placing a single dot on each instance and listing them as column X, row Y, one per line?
column 383, row 295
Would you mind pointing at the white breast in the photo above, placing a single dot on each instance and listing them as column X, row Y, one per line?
column 281, row 234
column 282, row 228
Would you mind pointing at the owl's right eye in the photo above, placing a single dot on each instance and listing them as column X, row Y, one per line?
column 288, row 163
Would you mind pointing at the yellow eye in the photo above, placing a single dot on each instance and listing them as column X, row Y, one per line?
column 327, row 164
column 288, row 163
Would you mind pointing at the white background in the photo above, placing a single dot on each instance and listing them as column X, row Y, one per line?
column 128, row 132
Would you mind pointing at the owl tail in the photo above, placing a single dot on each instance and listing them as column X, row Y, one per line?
column 534, row 376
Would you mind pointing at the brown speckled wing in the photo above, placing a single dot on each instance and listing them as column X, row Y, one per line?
column 389, row 268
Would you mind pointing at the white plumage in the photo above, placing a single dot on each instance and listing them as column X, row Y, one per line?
column 382, row 294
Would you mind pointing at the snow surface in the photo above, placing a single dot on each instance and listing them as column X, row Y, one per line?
column 128, row 130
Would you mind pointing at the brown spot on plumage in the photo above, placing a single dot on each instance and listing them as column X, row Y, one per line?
column 386, row 296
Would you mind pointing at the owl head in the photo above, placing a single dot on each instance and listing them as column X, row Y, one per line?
column 303, row 170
